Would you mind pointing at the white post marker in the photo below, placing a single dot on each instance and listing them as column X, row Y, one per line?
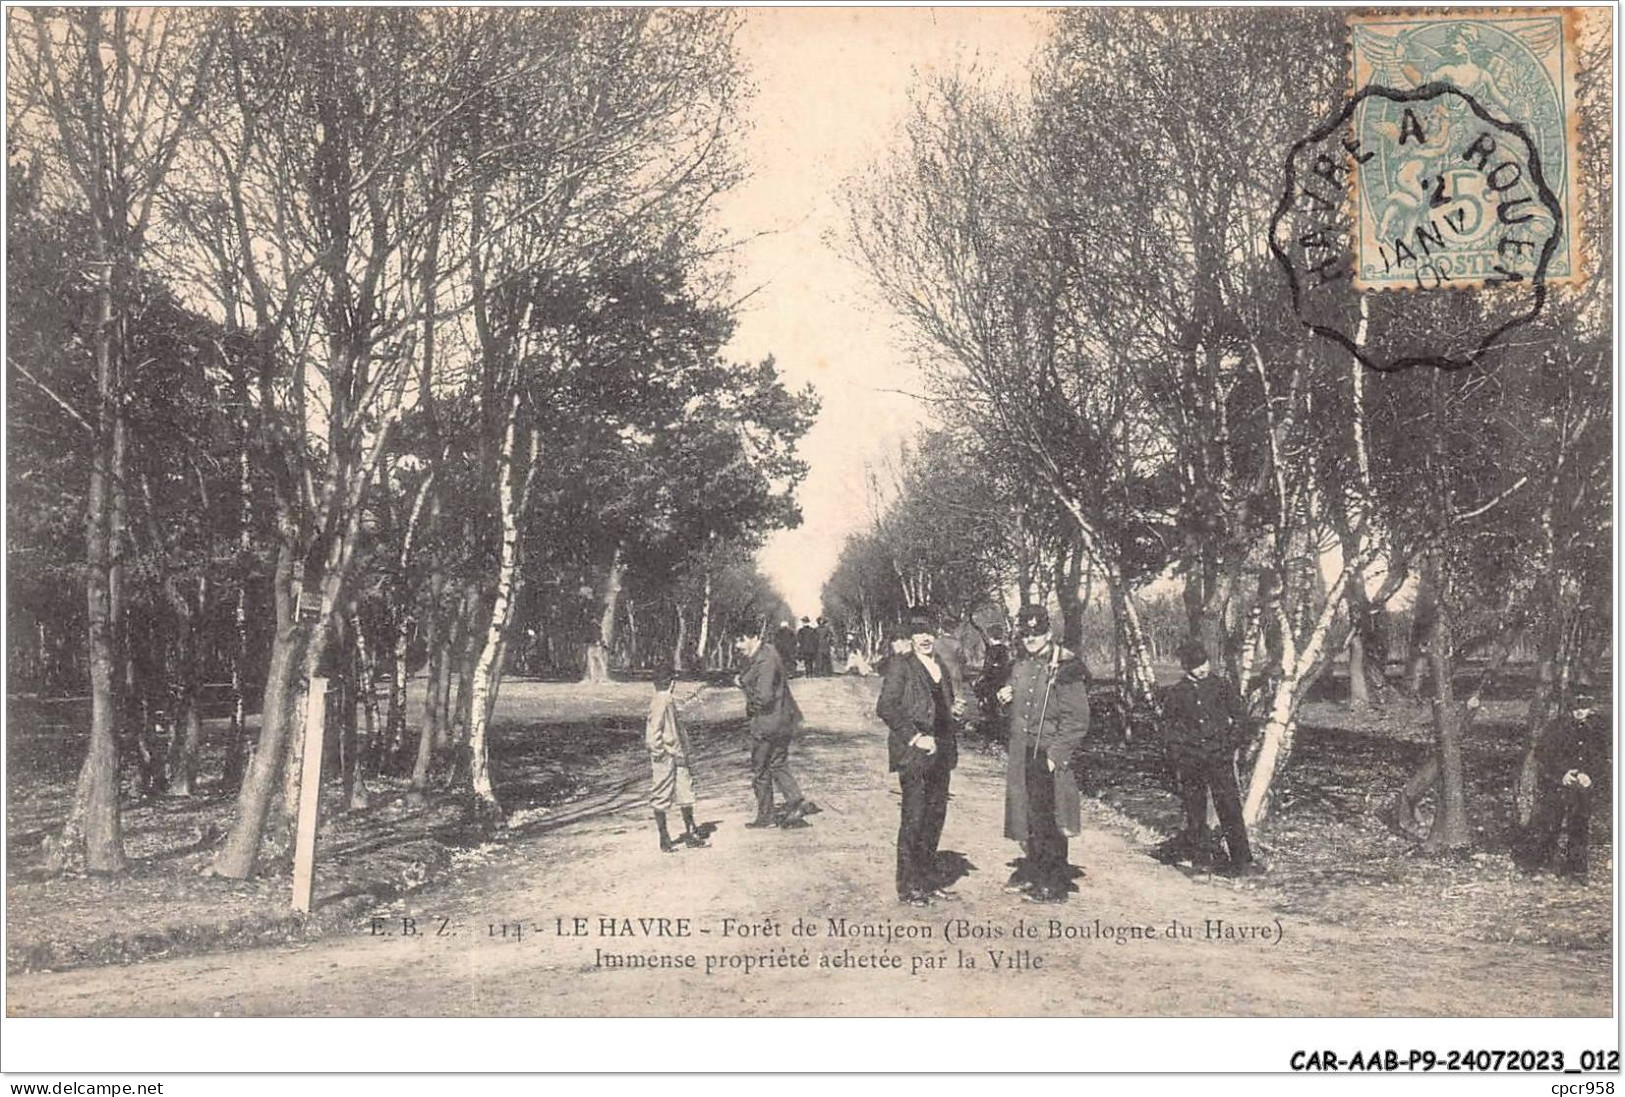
column 310, row 796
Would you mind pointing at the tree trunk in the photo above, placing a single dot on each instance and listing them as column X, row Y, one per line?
column 1137, row 676
column 364, row 675
column 705, row 621
column 468, row 653
column 1359, row 695
column 188, row 717
column 487, row 670
column 429, row 731
column 93, row 826
column 1068, row 578
column 278, row 712
column 237, row 749
column 1300, row 665
column 1449, row 830
column 598, row 651
column 435, row 673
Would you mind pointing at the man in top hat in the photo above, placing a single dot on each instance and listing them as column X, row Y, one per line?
column 1204, row 723
column 1567, row 756
column 1049, row 717
column 807, row 646
column 774, row 716
column 916, row 703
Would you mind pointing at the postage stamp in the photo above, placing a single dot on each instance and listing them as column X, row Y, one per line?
column 1436, row 204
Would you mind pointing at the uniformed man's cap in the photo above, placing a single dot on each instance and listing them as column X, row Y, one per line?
column 1192, row 654
column 1033, row 621
column 920, row 620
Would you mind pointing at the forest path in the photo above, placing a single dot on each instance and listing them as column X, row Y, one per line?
column 598, row 860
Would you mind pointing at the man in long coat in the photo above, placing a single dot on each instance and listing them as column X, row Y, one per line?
column 1049, row 717
column 916, row 703
column 1567, row 755
column 1204, row 723
column 774, row 716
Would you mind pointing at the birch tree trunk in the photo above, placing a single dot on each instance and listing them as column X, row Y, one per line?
column 598, row 651
column 483, row 696
column 705, row 621
column 1299, row 666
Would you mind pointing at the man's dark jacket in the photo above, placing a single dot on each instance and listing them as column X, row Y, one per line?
column 909, row 709
column 771, row 707
column 1204, row 717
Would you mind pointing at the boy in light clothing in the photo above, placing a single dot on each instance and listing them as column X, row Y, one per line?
column 671, row 782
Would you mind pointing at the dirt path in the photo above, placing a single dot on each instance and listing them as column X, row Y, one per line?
column 599, row 862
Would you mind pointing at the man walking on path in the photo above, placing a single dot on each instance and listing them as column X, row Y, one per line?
column 916, row 703
column 1049, row 716
column 774, row 716
column 1204, row 723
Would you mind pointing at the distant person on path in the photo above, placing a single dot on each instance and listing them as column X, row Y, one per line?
column 1049, row 717
column 916, row 704
column 672, row 783
column 774, row 716
column 1204, row 723
column 807, row 645
column 1568, row 755
column 784, row 641
column 826, row 648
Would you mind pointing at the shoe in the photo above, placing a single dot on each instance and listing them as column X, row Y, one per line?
column 759, row 823
column 810, row 808
column 668, row 846
column 794, row 823
column 914, row 899
column 793, row 813
column 693, row 841
column 1017, row 886
column 944, row 893
column 1045, row 895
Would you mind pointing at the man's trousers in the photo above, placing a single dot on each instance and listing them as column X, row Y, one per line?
column 1046, row 864
column 770, row 765
column 925, row 809
column 1200, row 773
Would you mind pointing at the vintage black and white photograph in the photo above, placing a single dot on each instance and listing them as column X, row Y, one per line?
column 597, row 512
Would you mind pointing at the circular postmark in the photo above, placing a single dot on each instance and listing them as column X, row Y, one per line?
column 1425, row 198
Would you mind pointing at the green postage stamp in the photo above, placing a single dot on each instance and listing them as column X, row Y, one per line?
column 1436, row 204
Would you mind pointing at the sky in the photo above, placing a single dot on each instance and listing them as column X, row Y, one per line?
column 832, row 88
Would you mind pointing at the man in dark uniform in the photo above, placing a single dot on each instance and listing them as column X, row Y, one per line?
column 1049, row 717
column 1204, row 723
column 774, row 716
column 1566, row 755
column 916, row 704
column 807, row 647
